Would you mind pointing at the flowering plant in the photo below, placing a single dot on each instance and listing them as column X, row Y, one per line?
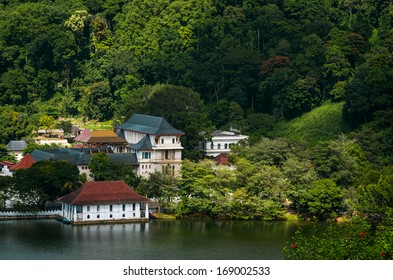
column 355, row 240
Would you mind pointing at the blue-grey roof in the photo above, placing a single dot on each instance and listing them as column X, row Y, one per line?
column 149, row 125
column 72, row 155
column 127, row 158
column 16, row 145
column 120, row 133
column 143, row 144
column 80, row 157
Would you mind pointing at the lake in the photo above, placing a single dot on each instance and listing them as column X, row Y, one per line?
column 158, row 239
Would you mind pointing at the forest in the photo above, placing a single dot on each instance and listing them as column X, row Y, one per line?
column 309, row 81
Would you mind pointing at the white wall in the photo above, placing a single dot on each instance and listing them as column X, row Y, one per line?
column 103, row 212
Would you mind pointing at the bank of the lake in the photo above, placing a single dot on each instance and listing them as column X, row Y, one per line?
column 158, row 239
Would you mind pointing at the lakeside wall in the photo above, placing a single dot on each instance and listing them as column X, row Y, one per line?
column 19, row 215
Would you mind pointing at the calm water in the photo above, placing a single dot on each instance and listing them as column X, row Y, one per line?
column 158, row 239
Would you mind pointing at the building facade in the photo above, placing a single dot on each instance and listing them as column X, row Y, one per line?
column 221, row 142
column 104, row 202
column 155, row 143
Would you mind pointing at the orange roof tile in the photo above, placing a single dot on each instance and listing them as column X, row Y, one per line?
column 100, row 137
column 26, row 162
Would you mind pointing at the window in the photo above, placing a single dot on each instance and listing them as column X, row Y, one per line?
column 173, row 140
column 98, row 208
column 162, row 140
column 226, row 146
column 123, row 215
column 98, row 216
column 157, row 140
column 219, row 146
column 166, row 154
column 88, row 208
column 133, row 207
column 110, row 208
column 124, row 207
column 133, row 214
column 211, row 146
column 146, row 155
column 88, row 216
column 110, row 216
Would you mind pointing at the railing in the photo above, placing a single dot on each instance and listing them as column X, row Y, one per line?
column 10, row 215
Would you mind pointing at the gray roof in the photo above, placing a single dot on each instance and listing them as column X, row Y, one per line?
column 127, row 158
column 72, row 155
column 149, row 125
column 143, row 144
column 16, row 145
column 80, row 157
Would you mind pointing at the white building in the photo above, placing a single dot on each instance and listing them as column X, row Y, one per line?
column 155, row 142
column 104, row 202
column 221, row 142
column 16, row 148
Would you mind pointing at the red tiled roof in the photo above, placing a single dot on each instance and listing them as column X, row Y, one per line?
column 103, row 192
column 26, row 162
column 8, row 163
column 84, row 136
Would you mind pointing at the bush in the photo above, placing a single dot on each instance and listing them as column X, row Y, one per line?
column 355, row 240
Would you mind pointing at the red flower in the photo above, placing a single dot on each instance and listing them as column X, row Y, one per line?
column 294, row 246
column 361, row 234
column 382, row 254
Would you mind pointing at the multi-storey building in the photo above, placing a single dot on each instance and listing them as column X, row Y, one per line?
column 221, row 142
column 155, row 143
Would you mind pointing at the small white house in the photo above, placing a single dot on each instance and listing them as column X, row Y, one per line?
column 16, row 148
column 221, row 142
column 104, row 202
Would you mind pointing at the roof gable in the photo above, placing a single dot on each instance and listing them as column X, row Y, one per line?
column 85, row 134
column 16, row 145
column 26, row 162
column 149, row 125
column 103, row 192
column 143, row 144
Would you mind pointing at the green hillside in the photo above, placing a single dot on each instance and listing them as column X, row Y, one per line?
column 321, row 124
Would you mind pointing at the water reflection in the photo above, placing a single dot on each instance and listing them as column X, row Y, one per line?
column 158, row 239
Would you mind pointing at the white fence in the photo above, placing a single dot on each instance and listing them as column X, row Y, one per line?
column 29, row 214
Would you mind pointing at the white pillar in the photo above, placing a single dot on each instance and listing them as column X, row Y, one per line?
column 74, row 212
column 147, row 211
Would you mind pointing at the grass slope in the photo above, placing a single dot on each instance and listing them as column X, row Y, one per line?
column 321, row 124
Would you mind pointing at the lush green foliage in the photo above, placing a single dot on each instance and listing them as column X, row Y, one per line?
column 45, row 180
column 251, row 62
column 224, row 194
column 354, row 240
column 103, row 170
column 323, row 123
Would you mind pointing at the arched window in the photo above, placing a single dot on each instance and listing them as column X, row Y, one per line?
column 219, row 146
column 211, row 146
column 226, row 146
